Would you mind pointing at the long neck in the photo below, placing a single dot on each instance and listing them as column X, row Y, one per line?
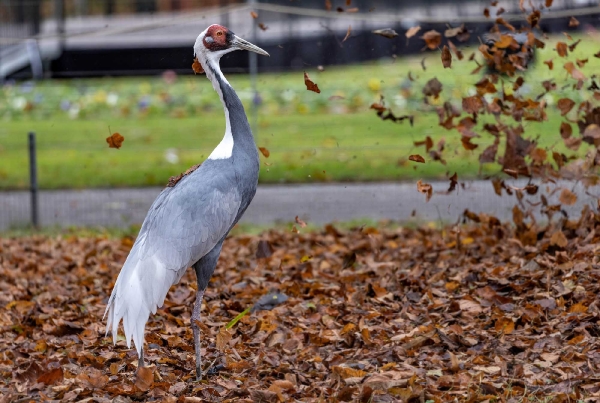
column 237, row 129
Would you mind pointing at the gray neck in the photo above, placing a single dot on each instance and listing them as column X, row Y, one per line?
column 237, row 125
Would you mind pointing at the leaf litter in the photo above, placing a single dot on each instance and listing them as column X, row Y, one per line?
column 481, row 310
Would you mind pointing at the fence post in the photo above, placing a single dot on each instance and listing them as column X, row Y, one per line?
column 253, row 76
column 33, row 180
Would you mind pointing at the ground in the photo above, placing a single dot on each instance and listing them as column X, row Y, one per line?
column 481, row 311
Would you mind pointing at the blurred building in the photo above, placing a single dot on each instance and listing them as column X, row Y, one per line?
column 78, row 38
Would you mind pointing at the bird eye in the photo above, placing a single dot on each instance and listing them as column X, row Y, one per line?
column 219, row 33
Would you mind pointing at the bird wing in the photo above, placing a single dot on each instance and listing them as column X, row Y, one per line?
column 184, row 223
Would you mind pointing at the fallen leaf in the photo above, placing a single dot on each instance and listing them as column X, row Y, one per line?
column 567, row 197
column 52, row 376
column 144, row 378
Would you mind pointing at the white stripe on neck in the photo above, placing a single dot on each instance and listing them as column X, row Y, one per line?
column 225, row 147
column 210, row 64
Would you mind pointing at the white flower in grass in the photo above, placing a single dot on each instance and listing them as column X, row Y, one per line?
column 171, row 156
column 112, row 99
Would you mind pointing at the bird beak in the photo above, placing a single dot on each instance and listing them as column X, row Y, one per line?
column 245, row 45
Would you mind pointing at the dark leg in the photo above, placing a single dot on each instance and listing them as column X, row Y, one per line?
column 204, row 269
column 196, row 330
column 141, row 359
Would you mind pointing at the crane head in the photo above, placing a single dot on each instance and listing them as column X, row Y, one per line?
column 218, row 40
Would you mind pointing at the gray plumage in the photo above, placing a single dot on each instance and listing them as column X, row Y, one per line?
column 187, row 223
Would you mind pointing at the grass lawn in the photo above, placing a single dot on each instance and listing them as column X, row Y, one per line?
column 171, row 126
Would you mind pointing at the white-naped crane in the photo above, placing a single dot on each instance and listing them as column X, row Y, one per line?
column 188, row 222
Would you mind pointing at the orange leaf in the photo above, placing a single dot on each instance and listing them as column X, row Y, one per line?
column 561, row 48
column 300, row 222
column 432, row 39
column 425, row 188
column 254, row 14
column 412, row 31
column 144, row 378
column 417, row 158
column 310, row 85
column 264, row 152
column 446, row 57
column 115, row 140
column 197, row 67
column 567, row 197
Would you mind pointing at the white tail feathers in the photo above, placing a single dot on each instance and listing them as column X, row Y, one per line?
column 141, row 288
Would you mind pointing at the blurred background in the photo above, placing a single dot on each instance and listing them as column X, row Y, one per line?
column 75, row 71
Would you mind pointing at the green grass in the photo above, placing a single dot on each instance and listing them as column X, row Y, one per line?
column 311, row 138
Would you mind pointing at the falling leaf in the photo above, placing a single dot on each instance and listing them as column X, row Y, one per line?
column 412, row 31
column 433, row 88
column 549, row 63
column 115, row 140
column 573, row 23
column 311, row 86
column 567, row 197
column 300, row 222
column 453, row 182
column 565, row 130
column 455, row 50
column 328, row 5
column 472, row 104
column 576, row 74
column 386, row 33
column 432, row 39
column 425, row 188
column 574, row 45
column 549, row 3
column 264, row 151
column 254, row 14
column 144, row 378
column 417, row 158
column 565, row 105
column 446, row 57
column 262, row 26
column 347, row 33
column 197, row 67
column 561, row 49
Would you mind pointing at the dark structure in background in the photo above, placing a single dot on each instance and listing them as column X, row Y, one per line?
column 21, row 19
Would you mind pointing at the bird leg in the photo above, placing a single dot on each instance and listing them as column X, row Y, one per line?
column 196, row 329
column 141, row 359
